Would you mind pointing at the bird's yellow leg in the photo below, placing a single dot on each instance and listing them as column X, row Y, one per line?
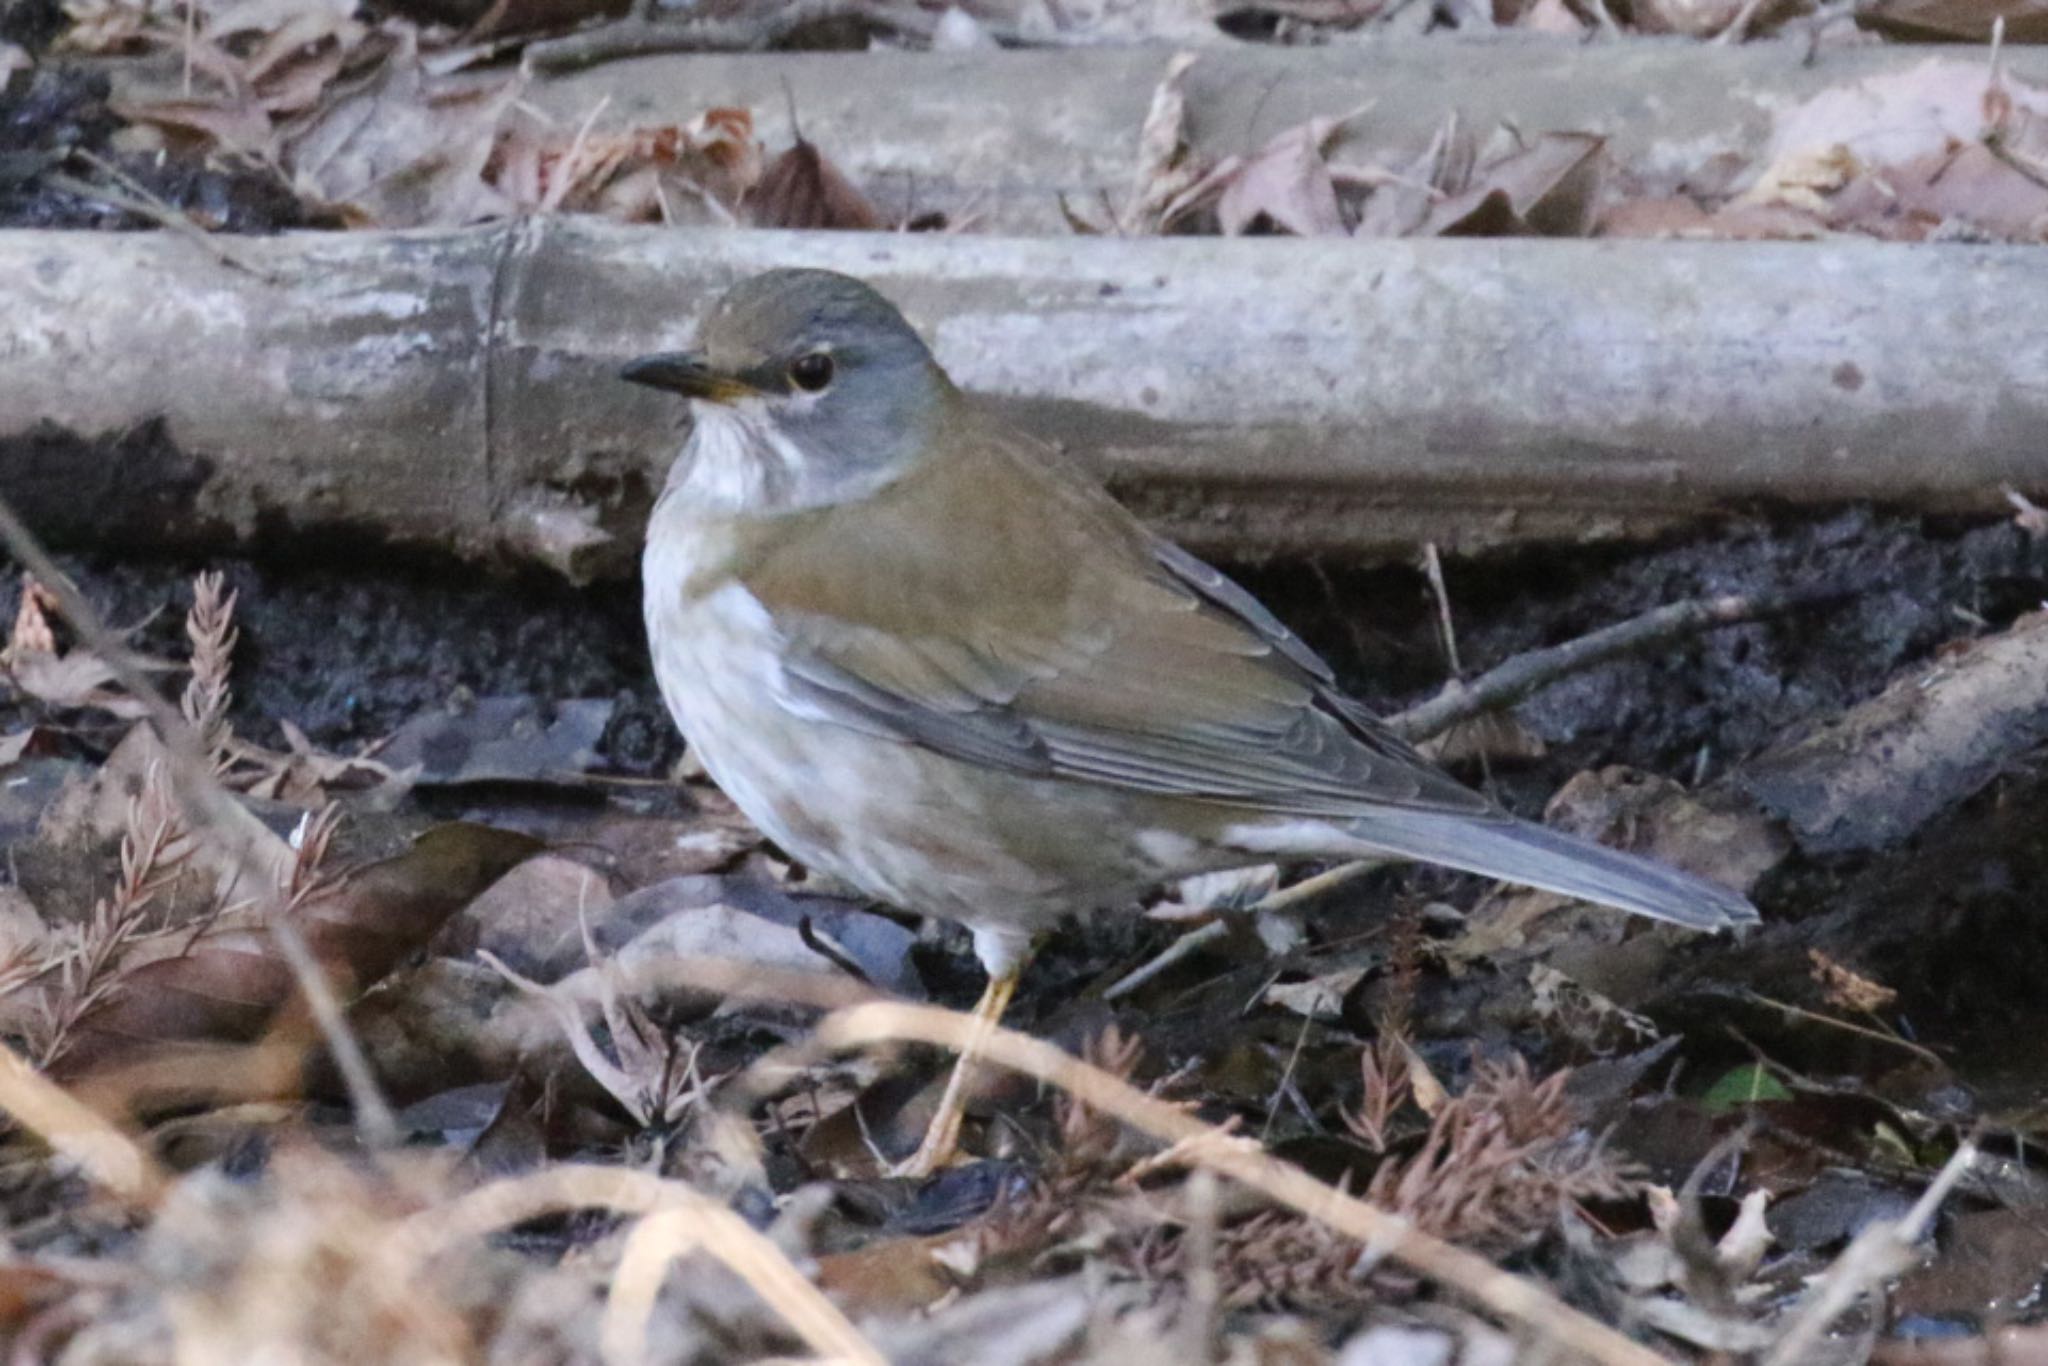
column 942, row 1138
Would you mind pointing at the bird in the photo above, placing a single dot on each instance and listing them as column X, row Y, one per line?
column 930, row 657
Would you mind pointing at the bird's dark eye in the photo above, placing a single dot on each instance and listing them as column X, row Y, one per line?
column 812, row 372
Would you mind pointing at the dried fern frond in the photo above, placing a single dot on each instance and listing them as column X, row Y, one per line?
column 210, row 625
column 1499, row 1161
column 154, row 849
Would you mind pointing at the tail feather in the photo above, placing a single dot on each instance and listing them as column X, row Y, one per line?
column 1537, row 856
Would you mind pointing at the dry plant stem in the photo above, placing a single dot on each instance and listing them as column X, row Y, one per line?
column 1515, row 679
column 1848, row 1026
column 1512, row 1297
column 209, row 807
column 1878, row 1253
column 136, row 198
column 78, row 1133
column 705, row 1224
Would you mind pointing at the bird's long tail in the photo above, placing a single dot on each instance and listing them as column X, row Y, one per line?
column 1537, row 856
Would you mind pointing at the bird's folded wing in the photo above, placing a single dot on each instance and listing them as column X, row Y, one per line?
column 1162, row 677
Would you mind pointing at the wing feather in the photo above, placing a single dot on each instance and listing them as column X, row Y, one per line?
column 1113, row 657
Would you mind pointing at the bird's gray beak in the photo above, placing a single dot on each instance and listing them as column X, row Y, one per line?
column 680, row 372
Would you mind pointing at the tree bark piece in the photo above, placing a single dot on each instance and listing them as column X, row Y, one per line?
column 1254, row 397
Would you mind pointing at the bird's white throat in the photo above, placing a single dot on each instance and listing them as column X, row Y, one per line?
column 737, row 460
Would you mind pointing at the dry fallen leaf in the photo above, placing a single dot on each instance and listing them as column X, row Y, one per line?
column 1287, row 184
column 802, row 189
column 2028, row 515
column 1547, row 189
column 645, row 174
column 1689, row 18
column 1444, row 167
column 1847, row 989
column 1906, row 153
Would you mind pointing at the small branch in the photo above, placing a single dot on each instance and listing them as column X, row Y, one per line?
column 1510, row 682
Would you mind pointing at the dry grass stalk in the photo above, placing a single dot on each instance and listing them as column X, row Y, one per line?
column 80, row 1134
column 210, row 626
column 699, row 1223
column 1515, row 1298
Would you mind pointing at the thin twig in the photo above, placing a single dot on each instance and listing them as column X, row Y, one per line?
column 1849, row 1026
column 208, row 806
column 1511, row 681
column 134, row 197
column 1386, row 1235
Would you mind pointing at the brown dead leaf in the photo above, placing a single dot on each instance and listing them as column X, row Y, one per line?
column 1490, row 737
column 77, row 679
column 1847, row 989
column 803, row 189
column 1547, row 189
column 1727, row 842
column 1286, row 184
column 635, row 175
column 1444, row 167
column 1318, row 998
column 32, row 632
column 1550, row 16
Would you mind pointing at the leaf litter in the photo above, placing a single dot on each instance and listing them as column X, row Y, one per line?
column 1571, row 1121
column 665, row 1028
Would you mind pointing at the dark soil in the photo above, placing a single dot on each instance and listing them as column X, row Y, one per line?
column 351, row 643
column 49, row 115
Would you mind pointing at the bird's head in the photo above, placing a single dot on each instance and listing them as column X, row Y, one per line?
column 808, row 388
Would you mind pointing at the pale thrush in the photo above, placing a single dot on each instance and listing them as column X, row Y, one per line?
column 927, row 656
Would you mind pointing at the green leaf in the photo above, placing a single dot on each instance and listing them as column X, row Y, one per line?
column 1744, row 1085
